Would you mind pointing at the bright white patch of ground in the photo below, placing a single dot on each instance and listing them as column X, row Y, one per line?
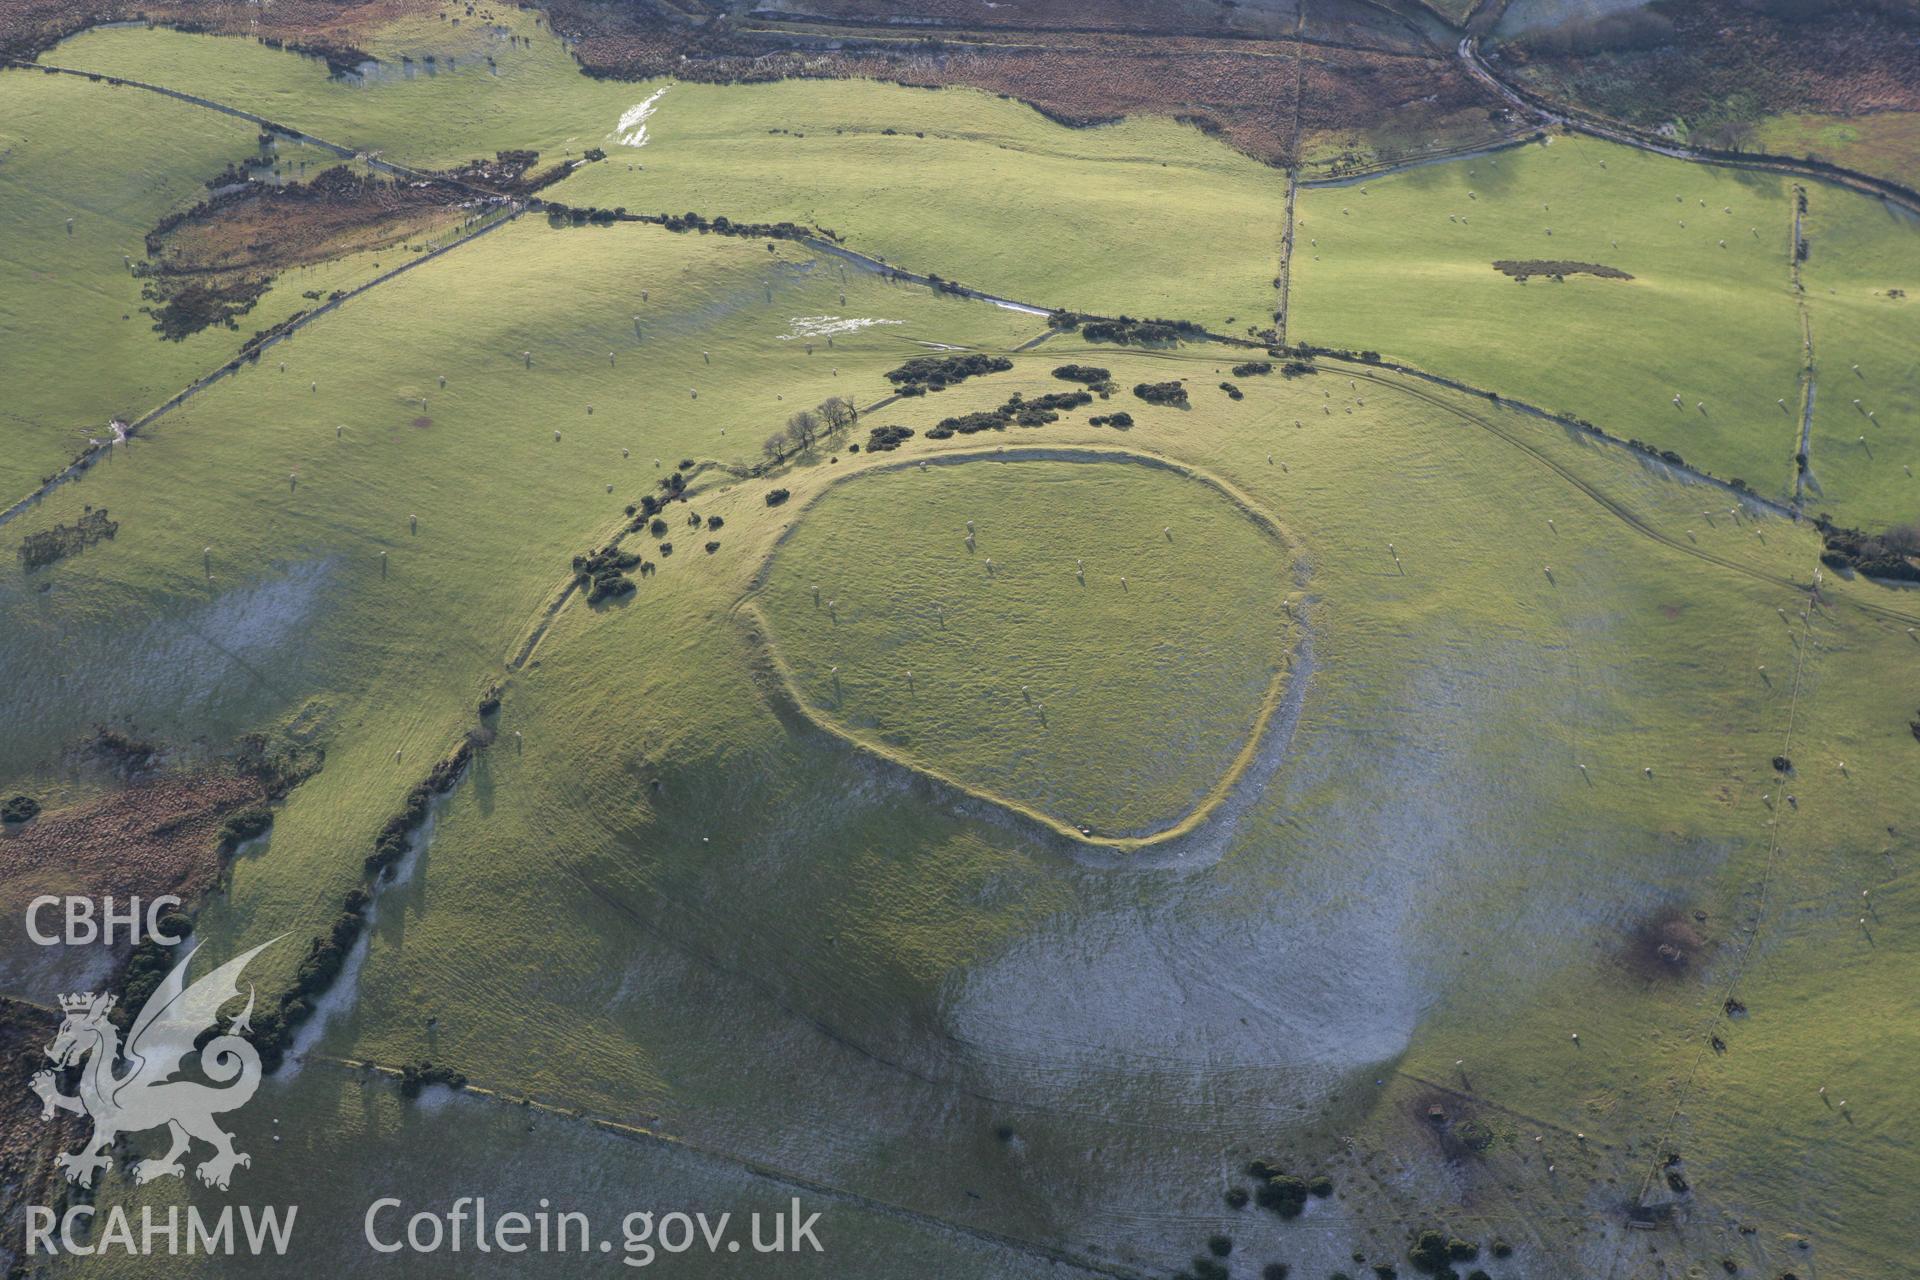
column 829, row 326
column 213, row 657
column 632, row 129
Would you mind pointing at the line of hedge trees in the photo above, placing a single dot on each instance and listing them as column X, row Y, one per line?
column 1017, row 411
column 274, row 1028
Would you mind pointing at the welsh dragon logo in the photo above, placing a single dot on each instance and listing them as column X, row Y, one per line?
column 146, row 1096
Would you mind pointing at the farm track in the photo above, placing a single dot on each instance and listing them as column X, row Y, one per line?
column 1803, row 462
column 1568, row 117
column 1387, row 168
column 1010, row 37
column 771, row 1173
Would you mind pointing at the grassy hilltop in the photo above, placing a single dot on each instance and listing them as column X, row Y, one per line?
column 1504, row 823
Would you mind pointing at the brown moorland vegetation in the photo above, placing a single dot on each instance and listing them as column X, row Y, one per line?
column 158, row 834
column 322, row 28
column 1264, row 96
column 1721, row 64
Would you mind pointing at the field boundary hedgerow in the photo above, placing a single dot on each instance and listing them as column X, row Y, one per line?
column 794, row 700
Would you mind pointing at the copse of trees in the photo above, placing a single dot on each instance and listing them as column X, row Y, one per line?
column 1165, row 393
column 1092, row 375
column 936, row 373
column 806, row 427
column 1888, row 555
column 602, row 573
column 1126, row 329
column 55, row 544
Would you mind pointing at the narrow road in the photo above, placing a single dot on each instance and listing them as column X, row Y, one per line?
column 1585, row 122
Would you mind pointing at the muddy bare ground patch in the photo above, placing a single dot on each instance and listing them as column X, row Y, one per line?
column 1555, row 269
column 1667, row 947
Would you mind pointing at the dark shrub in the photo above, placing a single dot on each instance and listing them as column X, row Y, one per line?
column 887, row 439
column 415, row 1078
column 1274, row 1271
column 1432, row 1251
column 243, row 826
column 1092, row 375
column 19, row 809
column 712, row 547
column 1119, row 421
column 1284, row 1194
column 1237, row 1197
column 1233, row 392
column 1252, row 368
column 1172, row 393
column 936, row 373
column 777, row 496
column 1321, row 1187
column 1220, row 1246
column 49, row 545
column 716, row 522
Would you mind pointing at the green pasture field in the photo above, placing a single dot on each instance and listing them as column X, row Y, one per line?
column 669, row 872
column 75, row 350
column 1547, row 702
column 1146, row 217
column 1101, row 648
column 1715, row 326
column 1885, row 143
column 1863, row 295
column 457, row 108
column 299, row 492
